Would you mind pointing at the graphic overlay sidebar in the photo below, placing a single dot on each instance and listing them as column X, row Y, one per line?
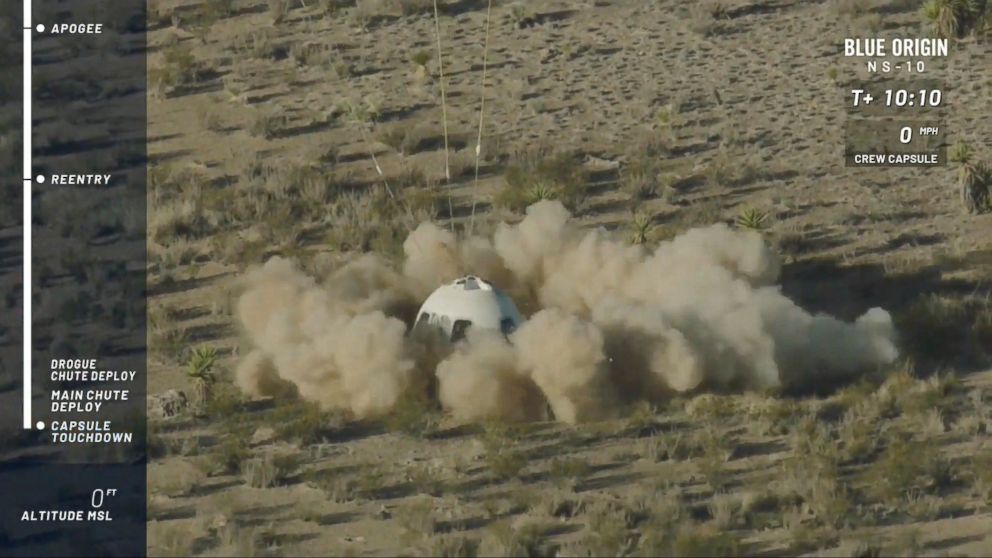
column 72, row 466
column 897, row 107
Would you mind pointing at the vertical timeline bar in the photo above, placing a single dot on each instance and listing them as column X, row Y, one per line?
column 26, row 332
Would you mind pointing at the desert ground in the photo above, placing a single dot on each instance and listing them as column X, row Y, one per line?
column 292, row 128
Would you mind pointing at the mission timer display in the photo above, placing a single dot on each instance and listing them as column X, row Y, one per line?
column 895, row 116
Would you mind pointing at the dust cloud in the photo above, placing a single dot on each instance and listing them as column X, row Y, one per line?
column 610, row 324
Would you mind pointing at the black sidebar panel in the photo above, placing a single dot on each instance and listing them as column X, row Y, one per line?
column 73, row 483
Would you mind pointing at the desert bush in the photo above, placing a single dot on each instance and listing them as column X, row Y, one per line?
column 179, row 69
column 412, row 7
column 427, row 479
column 256, row 43
column 712, row 408
column 309, row 54
column 803, row 535
column 269, row 470
column 957, row 18
column 369, row 220
column 850, row 8
column 568, row 471
column 178, row 219
column 231, row 453
column 158, row 446
column 641, row 178
column 975, row 181
column 716, row 452
column 943, row 329
column 561, row 504
column 371, row 481
column 453, row 546
column 974, row 178
column 338, row 489
column 414, row 414
column 981, row 477
column 504, row 459
column 210, row 119
column 960, row 152
column 278, row 10
column 421, row 58
column 306, row 423
column 267, row 123
column 906, row 467
column 402, row 137
column 393, row 136
column 675, row 446
column 417, row 518
column 726, row 170
column 538, row 175
column 857, row 436
column 811, row 476
column 607, row 533
column 922, row 506
column 503, row 539
column 158, row 14
column 427, row 202
column 771, row 415
column 176, row 480
column 206, row 15
column 706, row 16
column 332, row 7
column 690, row 540
column 726, row 511
column 167, row 341
column 169, row 538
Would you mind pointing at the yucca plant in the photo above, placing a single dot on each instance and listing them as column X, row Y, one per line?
column 541, row 190
column 955, row 18
column 200, row 369
column 752, row 219
column 975, row 180
column 640, row 228
column 960, row 152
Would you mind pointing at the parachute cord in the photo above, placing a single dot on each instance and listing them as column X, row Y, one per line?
column 482, row 112
column 444, row 102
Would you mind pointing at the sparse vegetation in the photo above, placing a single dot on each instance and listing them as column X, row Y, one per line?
column 752, row 219
column 269, row 470
column 504, row 539
column 504, row 459
column 200, row 370
column 706, row 17
column 542, row 175
column 178, row 70
column 278, row 9
column 414, row 415
column 640, row 228
column 974, row 179
column 306, row 423
column 956, row 18
column 420, row 58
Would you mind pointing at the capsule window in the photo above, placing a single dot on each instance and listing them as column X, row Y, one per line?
column 459, row 330
column 506, row 325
